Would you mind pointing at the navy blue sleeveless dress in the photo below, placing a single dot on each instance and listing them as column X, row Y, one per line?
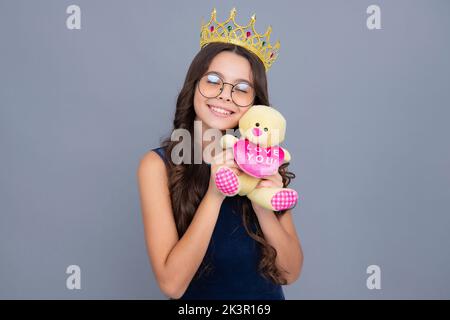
column 234, row 257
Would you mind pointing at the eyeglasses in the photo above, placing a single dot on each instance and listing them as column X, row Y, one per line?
column 211, row 86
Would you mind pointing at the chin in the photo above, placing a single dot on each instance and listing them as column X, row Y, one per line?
column 221, row 124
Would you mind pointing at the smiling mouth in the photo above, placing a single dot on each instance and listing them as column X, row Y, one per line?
column 219, row 111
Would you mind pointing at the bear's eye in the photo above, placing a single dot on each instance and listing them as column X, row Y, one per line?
column 265, row 129
column 257, row 124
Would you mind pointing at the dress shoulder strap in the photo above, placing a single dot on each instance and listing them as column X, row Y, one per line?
column 161, row 151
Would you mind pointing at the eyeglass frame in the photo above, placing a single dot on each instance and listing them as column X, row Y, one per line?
column 223, row 86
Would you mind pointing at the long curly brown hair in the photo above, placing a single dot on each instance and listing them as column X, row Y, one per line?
column 188, row 183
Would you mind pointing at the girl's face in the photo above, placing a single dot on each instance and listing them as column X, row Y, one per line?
column 221, row 112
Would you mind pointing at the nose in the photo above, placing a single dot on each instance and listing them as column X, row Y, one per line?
column 257, row 132
column 223, row 95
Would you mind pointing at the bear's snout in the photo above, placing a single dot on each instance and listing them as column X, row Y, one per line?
column 257, row 132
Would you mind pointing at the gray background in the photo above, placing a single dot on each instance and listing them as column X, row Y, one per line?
column 368, row 129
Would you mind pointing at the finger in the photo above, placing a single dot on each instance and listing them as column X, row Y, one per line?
column 232, row 163
column 264, row 184
column 236, row 171
column 276, row 178
column 220, row 158
column 279, row 178
column 224, row 156
column 275, row 182
column 229, row 155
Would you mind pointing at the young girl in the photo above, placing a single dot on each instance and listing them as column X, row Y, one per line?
column 203, row 245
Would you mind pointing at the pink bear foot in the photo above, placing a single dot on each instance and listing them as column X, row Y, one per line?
column 284, row 199
column 226, row 181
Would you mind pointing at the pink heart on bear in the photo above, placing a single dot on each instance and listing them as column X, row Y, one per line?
column 257, row 161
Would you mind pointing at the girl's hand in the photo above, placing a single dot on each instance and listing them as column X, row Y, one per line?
column 273, row 181
column 225, row 157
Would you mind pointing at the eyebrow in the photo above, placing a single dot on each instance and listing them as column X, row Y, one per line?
column 235, row 80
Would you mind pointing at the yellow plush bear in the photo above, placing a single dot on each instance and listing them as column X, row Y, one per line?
column 258, row 155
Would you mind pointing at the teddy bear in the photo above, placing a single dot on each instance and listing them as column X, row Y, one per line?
column 258, row 154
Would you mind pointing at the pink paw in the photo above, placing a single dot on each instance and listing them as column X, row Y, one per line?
column 284, row 199
column 227, row 181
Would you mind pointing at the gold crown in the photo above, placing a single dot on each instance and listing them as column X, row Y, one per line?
column 245, row 36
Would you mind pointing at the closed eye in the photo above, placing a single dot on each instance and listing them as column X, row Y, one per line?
column 242, row 87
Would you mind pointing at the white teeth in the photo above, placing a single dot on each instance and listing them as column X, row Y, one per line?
column 220, row 110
